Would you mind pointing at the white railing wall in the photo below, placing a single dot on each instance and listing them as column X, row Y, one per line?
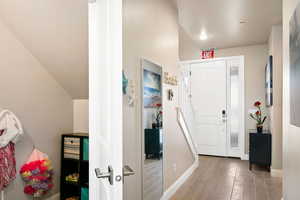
column 185, row 104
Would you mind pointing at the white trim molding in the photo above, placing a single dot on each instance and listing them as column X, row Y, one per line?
column 180, row 181
column 276, row 173
column 184, row 177
column 245, row 157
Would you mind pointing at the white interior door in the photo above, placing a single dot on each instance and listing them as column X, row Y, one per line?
column 208, row 89
column 105, row 99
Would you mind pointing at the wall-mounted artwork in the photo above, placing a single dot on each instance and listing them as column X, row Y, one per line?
column 152, row 89
column 169, row 79
column 295, row 68
column 124, row 83
column 269, row 82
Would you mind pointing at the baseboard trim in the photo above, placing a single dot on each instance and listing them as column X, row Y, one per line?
column 54, row 197
column 276, row 173
column 245, row 157
column 179, row 182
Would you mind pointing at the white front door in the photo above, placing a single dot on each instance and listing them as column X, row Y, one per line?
column 208, row 90
column 105, row 99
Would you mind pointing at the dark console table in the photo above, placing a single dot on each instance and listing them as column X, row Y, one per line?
column 153, row 143
column 260, row 149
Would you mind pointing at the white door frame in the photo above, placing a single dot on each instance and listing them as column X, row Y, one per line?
column 142, row 122
column 241, row 59
column 105, row 97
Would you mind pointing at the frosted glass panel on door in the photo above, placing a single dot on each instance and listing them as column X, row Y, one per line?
column 234, row 107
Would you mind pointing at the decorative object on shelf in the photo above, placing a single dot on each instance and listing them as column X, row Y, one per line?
column 269, row 82
column 170, row 94
column 294, row 67
column 37, row 173
column 72, row 148
column 170, row 80
column 257, row 116
column 152, row 89
column 72, row 198
column 73, row 178
column 158, row 117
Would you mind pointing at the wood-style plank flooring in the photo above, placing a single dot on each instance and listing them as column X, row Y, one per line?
column 153, row 179
column 229, row 179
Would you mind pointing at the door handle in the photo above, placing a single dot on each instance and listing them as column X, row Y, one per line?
column 127, row 171
column 109, row 175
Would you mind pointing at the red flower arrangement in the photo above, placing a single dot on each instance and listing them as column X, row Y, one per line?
column 258, row 116
column 257, row 104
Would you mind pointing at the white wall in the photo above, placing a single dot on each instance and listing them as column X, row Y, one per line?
column 291, row 134
column 275, row 49
column 56, row 33
column 255, row 61
column 81, row 116
column 43, row 106
column 151, row 32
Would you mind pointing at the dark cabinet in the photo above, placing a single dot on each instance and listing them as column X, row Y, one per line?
column 74, row 181
column 153, row 143
column 260, row 151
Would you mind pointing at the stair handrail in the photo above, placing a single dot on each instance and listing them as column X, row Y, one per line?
column 187, row 132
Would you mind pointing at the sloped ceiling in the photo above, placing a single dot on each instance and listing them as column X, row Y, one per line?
column 221, row 21
column 56, row 33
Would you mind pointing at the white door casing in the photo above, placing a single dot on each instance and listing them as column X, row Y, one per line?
column 105, row 97
column 208, row 89
column 235, row 108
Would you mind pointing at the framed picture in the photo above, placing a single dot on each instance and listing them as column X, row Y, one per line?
column 295, row 68
column 269, row 82
column 152, row 89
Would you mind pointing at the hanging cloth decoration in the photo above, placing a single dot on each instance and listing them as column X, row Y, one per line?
column 7, row 164
column 37, row 173
column 10, row 130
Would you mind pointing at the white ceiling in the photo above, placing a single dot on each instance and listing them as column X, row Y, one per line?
column 56, row 33
column 220, row 19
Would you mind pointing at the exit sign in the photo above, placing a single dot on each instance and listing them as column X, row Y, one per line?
column 207, row 54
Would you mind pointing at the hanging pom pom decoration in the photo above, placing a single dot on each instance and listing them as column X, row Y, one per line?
column 37, row 174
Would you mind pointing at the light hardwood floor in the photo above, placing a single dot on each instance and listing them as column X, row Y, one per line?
column 153, row 179
column 229, row 179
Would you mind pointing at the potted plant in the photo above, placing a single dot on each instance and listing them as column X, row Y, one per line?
column 257, row 116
